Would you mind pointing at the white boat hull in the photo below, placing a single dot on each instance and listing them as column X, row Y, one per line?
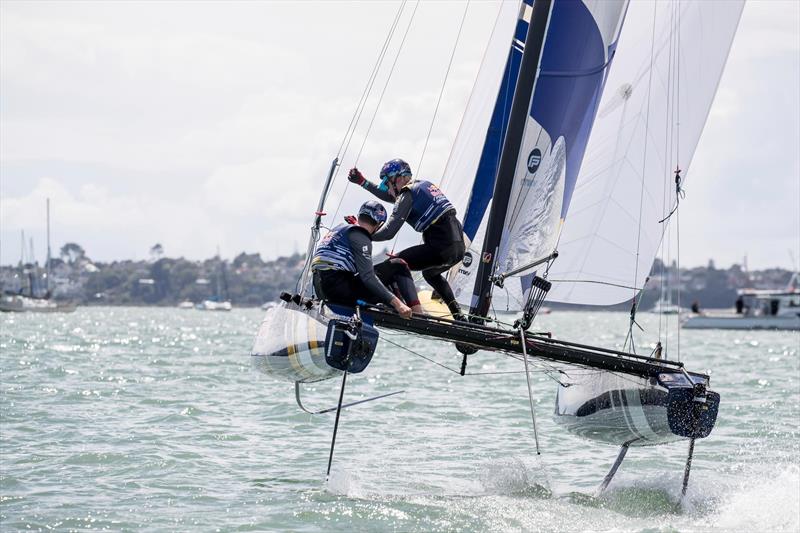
column 290, row 345
column 628, row 410
column 784, row 323
column 211, row 305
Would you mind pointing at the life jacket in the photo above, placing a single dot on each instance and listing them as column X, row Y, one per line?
column 429, row 203
column 334, row 251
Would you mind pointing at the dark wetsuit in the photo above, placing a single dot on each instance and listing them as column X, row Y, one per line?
column 425, row 208
column 343, row 271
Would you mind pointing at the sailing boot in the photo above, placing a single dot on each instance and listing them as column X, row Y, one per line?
column 458, row 316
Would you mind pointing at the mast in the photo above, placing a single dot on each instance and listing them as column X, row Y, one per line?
column 47, row 263
column 520, row 106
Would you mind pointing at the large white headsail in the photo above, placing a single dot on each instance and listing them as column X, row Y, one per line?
column 668, row 63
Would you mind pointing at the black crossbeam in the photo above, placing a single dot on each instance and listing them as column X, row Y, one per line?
column 501, row 340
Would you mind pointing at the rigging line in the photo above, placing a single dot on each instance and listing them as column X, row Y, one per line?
column 370, row 82
column 380, row 100
column 677, row 178
column 472, row 90
column 545, row 371
column 441, row 91
column 351, row 128
column 633, row 287
column 644, row 170
column 668, row 150
column 365, row 95
column 388, row 80
column 666, row 170
column 437, row 363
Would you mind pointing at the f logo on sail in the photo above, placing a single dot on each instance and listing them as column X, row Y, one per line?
column 534, row 159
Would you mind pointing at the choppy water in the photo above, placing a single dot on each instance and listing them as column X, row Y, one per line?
column 131, row 418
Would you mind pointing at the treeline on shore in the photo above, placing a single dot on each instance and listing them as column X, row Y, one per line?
column 248, row 280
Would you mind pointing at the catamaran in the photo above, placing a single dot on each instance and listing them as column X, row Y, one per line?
column 567, row 168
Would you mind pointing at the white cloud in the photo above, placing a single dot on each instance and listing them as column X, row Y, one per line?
column 196, row 124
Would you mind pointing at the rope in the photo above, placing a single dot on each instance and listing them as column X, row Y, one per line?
column 378, row 105
column 351, row 127
column 370, row 82
column 444, row 83
column 438, row 103
column 677, row 183
column 546, row 371
column 598, row 283
column 443, row 180
column 644, row 170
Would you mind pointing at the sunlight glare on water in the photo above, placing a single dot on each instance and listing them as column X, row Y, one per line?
column 136, row 418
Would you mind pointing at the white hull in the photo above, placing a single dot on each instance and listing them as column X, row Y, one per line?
column 784, row 323
column 623, row 409
column 668, row 309
column 290, row 345
column 210, row 305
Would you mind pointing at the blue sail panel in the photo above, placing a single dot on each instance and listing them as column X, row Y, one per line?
column 579, row 45
column 486, row 172
column 573, row 69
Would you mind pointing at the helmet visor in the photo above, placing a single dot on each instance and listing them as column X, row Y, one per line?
column 384, row 184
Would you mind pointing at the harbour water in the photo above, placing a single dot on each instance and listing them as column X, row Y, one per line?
column 154, row 419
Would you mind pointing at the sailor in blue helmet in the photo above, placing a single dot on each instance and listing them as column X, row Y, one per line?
column 424, row 206
column 342, row 265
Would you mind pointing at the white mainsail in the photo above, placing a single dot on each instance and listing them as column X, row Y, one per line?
column 668, row 64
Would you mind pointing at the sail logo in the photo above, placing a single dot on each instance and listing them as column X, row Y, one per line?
column 534, row 160
column 467, row 259
column 487, row 257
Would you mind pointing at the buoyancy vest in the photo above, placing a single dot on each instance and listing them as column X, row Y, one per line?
column 334, row 251
column 429, row 203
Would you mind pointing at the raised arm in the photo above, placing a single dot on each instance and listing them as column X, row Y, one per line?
column 402, row 207
column 355, row 176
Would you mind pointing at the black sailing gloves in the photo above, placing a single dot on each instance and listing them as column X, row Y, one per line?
column 355, row 176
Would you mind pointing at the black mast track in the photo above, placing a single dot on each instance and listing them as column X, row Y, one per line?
column 504, row 340
column 509, row 155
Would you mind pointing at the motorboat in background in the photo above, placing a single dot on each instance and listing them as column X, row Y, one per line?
column 756, row 309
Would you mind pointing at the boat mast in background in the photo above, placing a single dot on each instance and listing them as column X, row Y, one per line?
column 47, row 264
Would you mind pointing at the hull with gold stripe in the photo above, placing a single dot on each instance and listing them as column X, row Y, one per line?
column 290, row 345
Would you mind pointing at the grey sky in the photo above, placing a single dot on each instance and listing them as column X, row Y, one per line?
column 205, row 124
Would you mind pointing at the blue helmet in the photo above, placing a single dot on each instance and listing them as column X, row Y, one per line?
column 392, row 169
column 373, row 210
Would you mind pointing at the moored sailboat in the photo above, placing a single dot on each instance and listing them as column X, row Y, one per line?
column 39, row 297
